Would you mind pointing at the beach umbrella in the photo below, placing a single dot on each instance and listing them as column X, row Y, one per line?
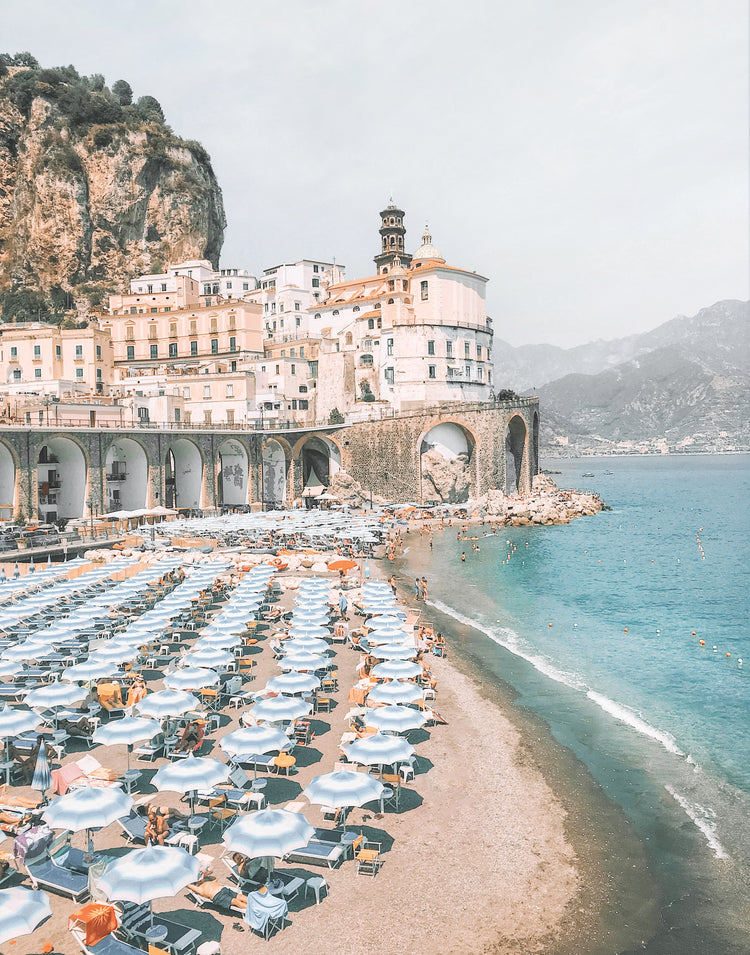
column 293, row 682
column 310, row 630
column 269, row 832
column 10, row 668
column 21, row 911
column 343, row 788
column 395, row 719
column 89, row 671
column 302, row 660
column 54, row 695
column 342, row 564
column 395, row 692
column 127, row 731
column 122, row 651
column 191, row 678
column 378, row 750
column 16, row 572
column 308, row 644
column 166, row 703
column 28, row 650
column 152, row 873
column 218, row 641
column 393, row 651
column 190, row 774
column 92, row 807
column 397, row 670
column 32, row 567
column 253, row 740
column 42, row 778
column 212, row 657
column 13, row 722
column 280, row 709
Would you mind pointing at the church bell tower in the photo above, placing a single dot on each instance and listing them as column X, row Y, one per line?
column 392, row 234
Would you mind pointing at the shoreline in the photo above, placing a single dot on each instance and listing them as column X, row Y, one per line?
column 616, row 905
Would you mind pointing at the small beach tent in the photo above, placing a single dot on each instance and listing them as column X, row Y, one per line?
column 94, row 921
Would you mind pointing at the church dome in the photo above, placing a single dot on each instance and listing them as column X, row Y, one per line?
column 427, row 250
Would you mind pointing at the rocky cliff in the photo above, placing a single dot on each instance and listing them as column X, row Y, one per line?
column 94, row 191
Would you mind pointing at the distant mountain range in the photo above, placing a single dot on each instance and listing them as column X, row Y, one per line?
column 685, row 386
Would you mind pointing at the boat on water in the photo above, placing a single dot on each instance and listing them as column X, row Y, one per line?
column 589, row 474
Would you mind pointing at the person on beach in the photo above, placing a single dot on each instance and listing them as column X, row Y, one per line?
column 463, row 555
column 190, row 739
column 423, row 588
column 438, row 645
column 137, row 691
column 157, row 827
column 392, row 582
column 417, row 588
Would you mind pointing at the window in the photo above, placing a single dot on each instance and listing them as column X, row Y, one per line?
column 207, row 391
column 388, row 372
column 79, row 352
column 98, row 352
column 233, row 366
column 283, row 352
column 177, row 415
column 356, row 308
column 297, row 306
column 129, row 333
column 38, row 372
column 149, row 289
column 281, row 306
column 297, row 321
column 389, row 346
column 173, row 349
column 154, row 351
column 214, row 326
column 292, row 352
column 371, row 323
column 430, row 348
column 130, row 352
column 424, row 287
column 133, row 310
column 206, row 417
column 186, row 393
column 230, row 391
column 206, row 289
column 245, row 287
column 303, row 389
column 193, row 328
column 232, row 322
column 17, row 374
column 214, row 346
column 37, row 352
column 468, row 371
column 294, row 404
column 391, row 285
column 79, row 372
column 405, row 285
column 58, row 351
column 348, row 340
column 153, row 310
column 301, row 351
column 431, row 371
column 98, row 374
column 164, row 286
column 229, row 284
column 479, row 352
column 313, row 368
column 315, row 268
column 143, row 415
column 277, row 369
column 480, row 373
column 232, row 343
column 173, row 329
column 335, row 311
column 316, row 283
column 193, row 348
column 14, row 351
column 303, row 404
column 152, row 332
column 449, row 349
column 294, row 369
column 467, row 353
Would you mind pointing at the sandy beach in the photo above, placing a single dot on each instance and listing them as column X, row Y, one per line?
column 493, row 849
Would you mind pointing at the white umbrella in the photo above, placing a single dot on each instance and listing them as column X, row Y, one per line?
column 21, row 911
column 395, row 719
column 191, row 678
column 89, row 808
column 254, row 740
column 89, row 670
column 293, row 682
column 151, row 873
column 218, row 641
column 302, row 660
column 396, row 670
column 308, row 644
column 378, row 750
column 343, row 788
column 270, row 832
column 393, row 651
column 395, row 692
column 165, row 703
column 211, row 657
column 190, row 774
column 127, row 731
column 13, row 722
column 281, row 708
column 53, row 695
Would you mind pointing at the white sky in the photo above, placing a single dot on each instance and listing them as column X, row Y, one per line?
column 590, row 157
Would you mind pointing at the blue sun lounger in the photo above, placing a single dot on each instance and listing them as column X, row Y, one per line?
column 46, row 874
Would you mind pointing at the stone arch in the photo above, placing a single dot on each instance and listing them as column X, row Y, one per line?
column 316, row 455
column 62, row 471
column 183, row 475
column 126, row 469
column 232, row 474
column 275, row 467
column 8, row 477
column 516, row 449
column 448, row 461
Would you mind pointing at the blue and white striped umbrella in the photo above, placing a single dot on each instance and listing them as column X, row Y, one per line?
column 54, row 695
column 397, row 670
column 378, row 750
column 21, row 911
column 343, row 788
column 397, row 691
column 211, row 657
column 302, row 660
column 89, row 670
column 270, row 832
column 191, row 678
column 394, row 651
column 293, row 682
column 395, row 719
column 166, row 703
column 280, row 709
column 252, row 740
column 152, row 873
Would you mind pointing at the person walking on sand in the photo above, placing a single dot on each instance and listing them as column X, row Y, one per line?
column 392, row 582
column 417, row 588
column 423, row 587
column 463, row 555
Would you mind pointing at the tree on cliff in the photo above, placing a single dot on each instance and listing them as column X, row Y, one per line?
column 148, row 108
column 122, row 92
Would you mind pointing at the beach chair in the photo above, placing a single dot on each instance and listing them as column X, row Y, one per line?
column 219, row 813
column 110, row 700
column 137, row 920
column 151, row 749
column 368, row 858
column 45, row 873
column 133, row 827
column 109, row 945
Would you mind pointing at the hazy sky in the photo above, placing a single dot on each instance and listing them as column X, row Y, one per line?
column 590, row 157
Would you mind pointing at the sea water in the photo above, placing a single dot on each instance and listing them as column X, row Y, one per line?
column 598, row 626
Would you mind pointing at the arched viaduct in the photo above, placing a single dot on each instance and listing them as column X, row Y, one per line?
column 55, row 474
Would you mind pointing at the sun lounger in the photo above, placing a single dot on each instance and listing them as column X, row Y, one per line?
column 320, row 853
column 133, row 827
column 136, row 920
column 46, row 874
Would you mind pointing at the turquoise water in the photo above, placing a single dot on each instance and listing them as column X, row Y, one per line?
column 597, row 624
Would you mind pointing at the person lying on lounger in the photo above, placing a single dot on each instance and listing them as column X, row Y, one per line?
column 221, row 895
column 190, row 739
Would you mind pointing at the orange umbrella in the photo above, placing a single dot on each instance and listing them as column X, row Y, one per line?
column 343, row 564
column 97, row 919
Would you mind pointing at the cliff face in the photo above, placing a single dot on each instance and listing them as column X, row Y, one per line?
column 86, row 207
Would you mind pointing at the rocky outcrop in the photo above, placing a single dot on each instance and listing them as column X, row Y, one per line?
column 547, row 504
column 86, row 206
column 445, row 479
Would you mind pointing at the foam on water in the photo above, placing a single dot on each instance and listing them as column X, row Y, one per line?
column 703, row 819
column 624, row 715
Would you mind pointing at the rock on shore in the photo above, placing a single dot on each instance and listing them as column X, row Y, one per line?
column 547, row 504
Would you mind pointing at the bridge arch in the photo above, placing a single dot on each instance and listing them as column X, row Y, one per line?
column 316, row 456
column 183, row 475
column 8, row 478
column 126, row 468
column 62, row 468
column 232, row 474
column 448, row 461
column 516, row 454
column 275, row 472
